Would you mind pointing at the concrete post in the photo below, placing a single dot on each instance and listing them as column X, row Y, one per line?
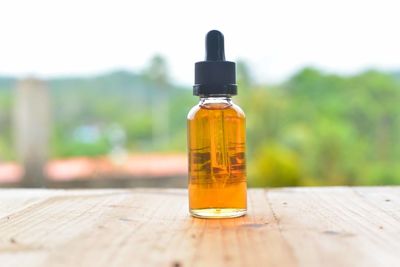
column 32, row 129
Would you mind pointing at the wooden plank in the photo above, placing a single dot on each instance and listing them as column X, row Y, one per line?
column 13, row 200
column 337, row 226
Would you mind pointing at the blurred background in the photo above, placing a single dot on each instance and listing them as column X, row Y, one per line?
column 96, row 93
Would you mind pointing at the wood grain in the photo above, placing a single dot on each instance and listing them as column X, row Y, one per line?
column 333, row 226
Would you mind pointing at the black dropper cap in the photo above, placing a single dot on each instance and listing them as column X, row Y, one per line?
column 214, row 76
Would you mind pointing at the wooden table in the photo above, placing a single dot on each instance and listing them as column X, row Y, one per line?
column 334, row 226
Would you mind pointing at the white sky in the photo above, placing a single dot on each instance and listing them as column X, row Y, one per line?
column 54, row 37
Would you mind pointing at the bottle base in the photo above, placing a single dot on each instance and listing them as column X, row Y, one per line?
column 217, row 213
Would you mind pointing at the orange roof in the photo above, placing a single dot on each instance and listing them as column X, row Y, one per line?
column 10, row 172
column 139, row 165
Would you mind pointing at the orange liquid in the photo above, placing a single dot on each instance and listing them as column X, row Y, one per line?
column 217, row 165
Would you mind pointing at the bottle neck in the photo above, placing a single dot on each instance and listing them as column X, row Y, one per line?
column 216, row 99
column 216, row 102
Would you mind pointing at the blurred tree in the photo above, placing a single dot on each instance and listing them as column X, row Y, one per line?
column 157, row 73
column 243, row 75
column 6, row 150
column 275, row 165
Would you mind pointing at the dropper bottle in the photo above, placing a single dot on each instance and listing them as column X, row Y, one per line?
column 216, row 138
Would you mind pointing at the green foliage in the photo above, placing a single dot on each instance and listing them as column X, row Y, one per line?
column 6, row 144
column 275, row 165
column 319, row 129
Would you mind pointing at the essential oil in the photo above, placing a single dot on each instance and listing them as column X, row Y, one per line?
column 216, row 138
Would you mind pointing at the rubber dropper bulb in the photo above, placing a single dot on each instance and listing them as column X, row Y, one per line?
column 215, row 46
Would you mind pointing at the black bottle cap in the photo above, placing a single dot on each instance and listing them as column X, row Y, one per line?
column 215, row 76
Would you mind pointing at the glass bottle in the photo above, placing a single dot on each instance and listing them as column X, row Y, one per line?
column 216, row 139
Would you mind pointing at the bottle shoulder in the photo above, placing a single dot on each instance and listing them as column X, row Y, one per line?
column 239, row 111
column 193, row 111
column 202, row 110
